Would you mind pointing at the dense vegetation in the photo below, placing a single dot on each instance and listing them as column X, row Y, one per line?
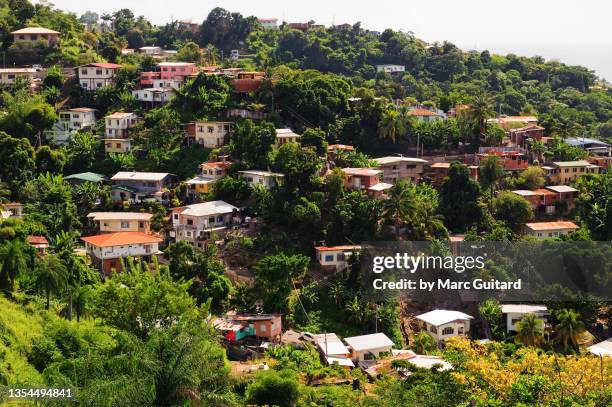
column 143, row 337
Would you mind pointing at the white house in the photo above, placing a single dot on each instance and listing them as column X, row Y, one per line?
column 196, row 223
column 108, row 222
column 333, row 350
column 139, row 186
column 266, row 178
column 285, row 136
column 210, row 134
column 70, row 121
column 151, row 50
column 8, row 76
column 543, row 230
column 368, row 347
column 151, row 97
column 97, row 74
column 603, row 348
column 396, row 168
column 390, row 68
column 515, row 312
column 443, row 324
column 11, row 210
column 116, row 134
column 335, row 256
column 268, row 23
column 107, row 249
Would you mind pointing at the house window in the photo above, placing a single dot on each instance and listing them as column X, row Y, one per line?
column 219, row 218
column 125, row 225
column 176, row 216
column 190, row 222
column 118, row 145
column 211, row 220
column 141, row 225
column 98, row 72
column 411, row 166
column 433, row 329
column 210, row 129
column 340, row 257
column 329, row 258
column 263, row 328
column 449, row 330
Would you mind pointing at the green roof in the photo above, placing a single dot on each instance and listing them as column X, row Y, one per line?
column 86, row 176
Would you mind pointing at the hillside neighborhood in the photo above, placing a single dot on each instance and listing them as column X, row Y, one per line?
column 202, row 196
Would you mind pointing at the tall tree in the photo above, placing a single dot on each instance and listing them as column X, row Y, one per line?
column 51, row 276
column 529, row 330
column 491, row 172
column 569, row 327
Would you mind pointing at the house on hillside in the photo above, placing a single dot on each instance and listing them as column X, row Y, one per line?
column 71, row 121
column 268, row 23
column 523, row 135
column 511, row 160
column 36, row 35
column 139, row 186
column 106, row 250
column 198, row 223
column 97, row 74
column 543, row 230
column 236, row 327
column 443, row 324
column 368, row 347
column 390, row 68
column 335, row 257
column 209, row 173
column 334, row 149
column 426, row 115
column 333, row 350
column 396, row 168
column 116, row 133
column 248, row 81
column 565, row 172
column 437, row 172
column 515, row 312
column 153, row 97
column 593, row 146
column 368, row 179
column 110, row 222
column 40, row 243
column 267, row 179
column 210, row 134
column 286, row 136
column 11, row 210
column 8, row 76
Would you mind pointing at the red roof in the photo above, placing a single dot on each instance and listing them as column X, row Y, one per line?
column 544, row 191
column 106, row 65
column 421, row 112
column 37, row 240
column 218, row 164
column 552, row 225
column 336, row 248
column 121, row 239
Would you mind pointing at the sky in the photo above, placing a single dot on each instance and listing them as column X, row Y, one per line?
column 576, row 33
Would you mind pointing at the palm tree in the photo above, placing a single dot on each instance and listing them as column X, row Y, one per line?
column 480, row 111
column 491, row 172
column 530, row 330
column 336, row 291
column 393, row 125
column 353, row 307
column 401, row 207
column 490, row 312
column 569, row 328
column 52, row 276
column 423, row 342
column 427, row 223
column 13, row 262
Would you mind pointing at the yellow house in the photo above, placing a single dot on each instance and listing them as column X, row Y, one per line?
column 110, row 222
column 209, row 173
column 567, row 171
column 117, row 145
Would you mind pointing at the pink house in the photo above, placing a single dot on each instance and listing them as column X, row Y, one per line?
column 177, row 71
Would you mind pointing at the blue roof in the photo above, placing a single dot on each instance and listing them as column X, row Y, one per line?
column 584, row 142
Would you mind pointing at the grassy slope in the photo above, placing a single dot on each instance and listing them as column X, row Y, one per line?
column 19, row 326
